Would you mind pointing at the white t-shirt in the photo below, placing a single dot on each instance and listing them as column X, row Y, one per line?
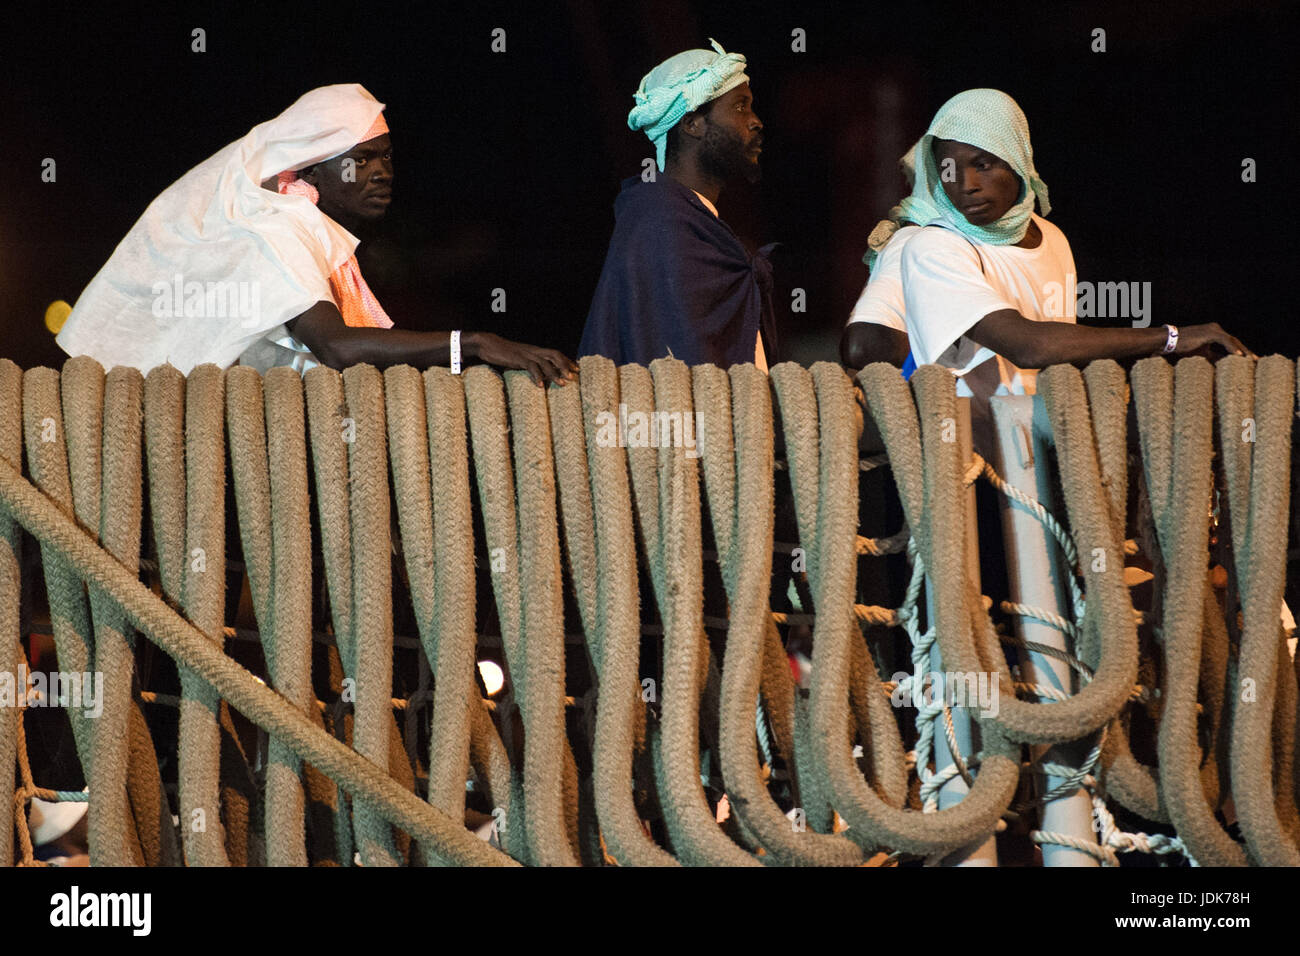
column 881, row 301
column 950, row 283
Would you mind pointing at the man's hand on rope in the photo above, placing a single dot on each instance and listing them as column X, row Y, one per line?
column 541, row 364
column 1209, row 340
column 1031, row 344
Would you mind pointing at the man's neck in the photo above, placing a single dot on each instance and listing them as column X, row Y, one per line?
column 687, row 172
column 1033, row 237
column 354, row 226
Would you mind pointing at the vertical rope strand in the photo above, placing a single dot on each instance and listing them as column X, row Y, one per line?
column 11, row 650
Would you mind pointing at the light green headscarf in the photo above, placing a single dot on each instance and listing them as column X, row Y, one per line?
column 680, row 85
column 992, row 121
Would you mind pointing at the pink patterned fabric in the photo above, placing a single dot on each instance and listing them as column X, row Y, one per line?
column 355, row 300
column 357, row 303
column 378, row 128
column 291, row 185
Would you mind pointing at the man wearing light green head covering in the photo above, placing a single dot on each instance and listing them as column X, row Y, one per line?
column 677, row 280
column 680, row 85
column 991, row 121
column 981, row 290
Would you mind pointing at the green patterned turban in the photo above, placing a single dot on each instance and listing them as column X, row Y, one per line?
column 680, row 85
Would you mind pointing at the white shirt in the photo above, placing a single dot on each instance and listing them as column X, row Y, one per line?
column 881, row 301
column 217, row 261
column 950, row 283
column 760, row 359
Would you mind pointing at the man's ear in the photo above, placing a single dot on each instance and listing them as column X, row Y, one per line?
column 693, row 123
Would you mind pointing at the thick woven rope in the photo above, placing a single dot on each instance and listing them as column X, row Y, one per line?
column 631, row 773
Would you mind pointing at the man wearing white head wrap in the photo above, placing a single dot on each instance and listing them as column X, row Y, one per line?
column 250, row 256
column 677, row 280
column 982, row 294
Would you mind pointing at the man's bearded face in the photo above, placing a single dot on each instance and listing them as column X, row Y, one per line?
column 733, row 138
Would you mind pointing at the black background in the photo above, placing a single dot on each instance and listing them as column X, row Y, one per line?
column 507, row 164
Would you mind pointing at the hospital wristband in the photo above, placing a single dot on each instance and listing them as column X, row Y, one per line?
column 455, row 352
column 1171, row 341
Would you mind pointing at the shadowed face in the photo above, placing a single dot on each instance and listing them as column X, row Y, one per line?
column 733, row 137
column 981, row 186
column 356, row 187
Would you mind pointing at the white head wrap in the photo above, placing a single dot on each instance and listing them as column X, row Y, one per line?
column 217, row 261
column 680, row 85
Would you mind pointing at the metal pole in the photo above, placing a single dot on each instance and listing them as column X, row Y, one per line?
column 985, row 852
column 1036, row 573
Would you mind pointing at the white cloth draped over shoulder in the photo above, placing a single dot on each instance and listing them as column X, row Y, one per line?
column 217, row 262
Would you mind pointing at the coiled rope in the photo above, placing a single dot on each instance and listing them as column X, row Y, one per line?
column 1225, row 719
column 603, row 568
column 666, row 493
column 743, row 535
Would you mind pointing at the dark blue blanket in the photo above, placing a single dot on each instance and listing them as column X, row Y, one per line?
column 677, row 281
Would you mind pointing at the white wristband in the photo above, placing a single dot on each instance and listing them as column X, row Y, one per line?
column 455, row 352
column 1171, row 342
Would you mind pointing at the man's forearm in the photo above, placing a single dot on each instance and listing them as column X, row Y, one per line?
column 383, row 348
column 1030, row 344
column 338, row 345
column 1068, row 343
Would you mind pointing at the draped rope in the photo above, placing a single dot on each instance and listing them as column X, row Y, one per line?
column 543, row 828
column 596, row 507
column 665, row 492
column 269, row 468
column 372, row 593
column 746, row 561
column 1175, row 422
column 926, row 469
column 1257, row 464
column 11, row 650
column 553, row 491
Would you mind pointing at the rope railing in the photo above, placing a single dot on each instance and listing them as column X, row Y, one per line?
column 631, row 770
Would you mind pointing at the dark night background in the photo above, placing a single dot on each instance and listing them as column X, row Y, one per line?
column 507, row 164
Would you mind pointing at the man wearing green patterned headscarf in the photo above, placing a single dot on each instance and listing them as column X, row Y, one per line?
column 982, row 291
column 683, row 84
column 677, row 280
column 986, row 120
